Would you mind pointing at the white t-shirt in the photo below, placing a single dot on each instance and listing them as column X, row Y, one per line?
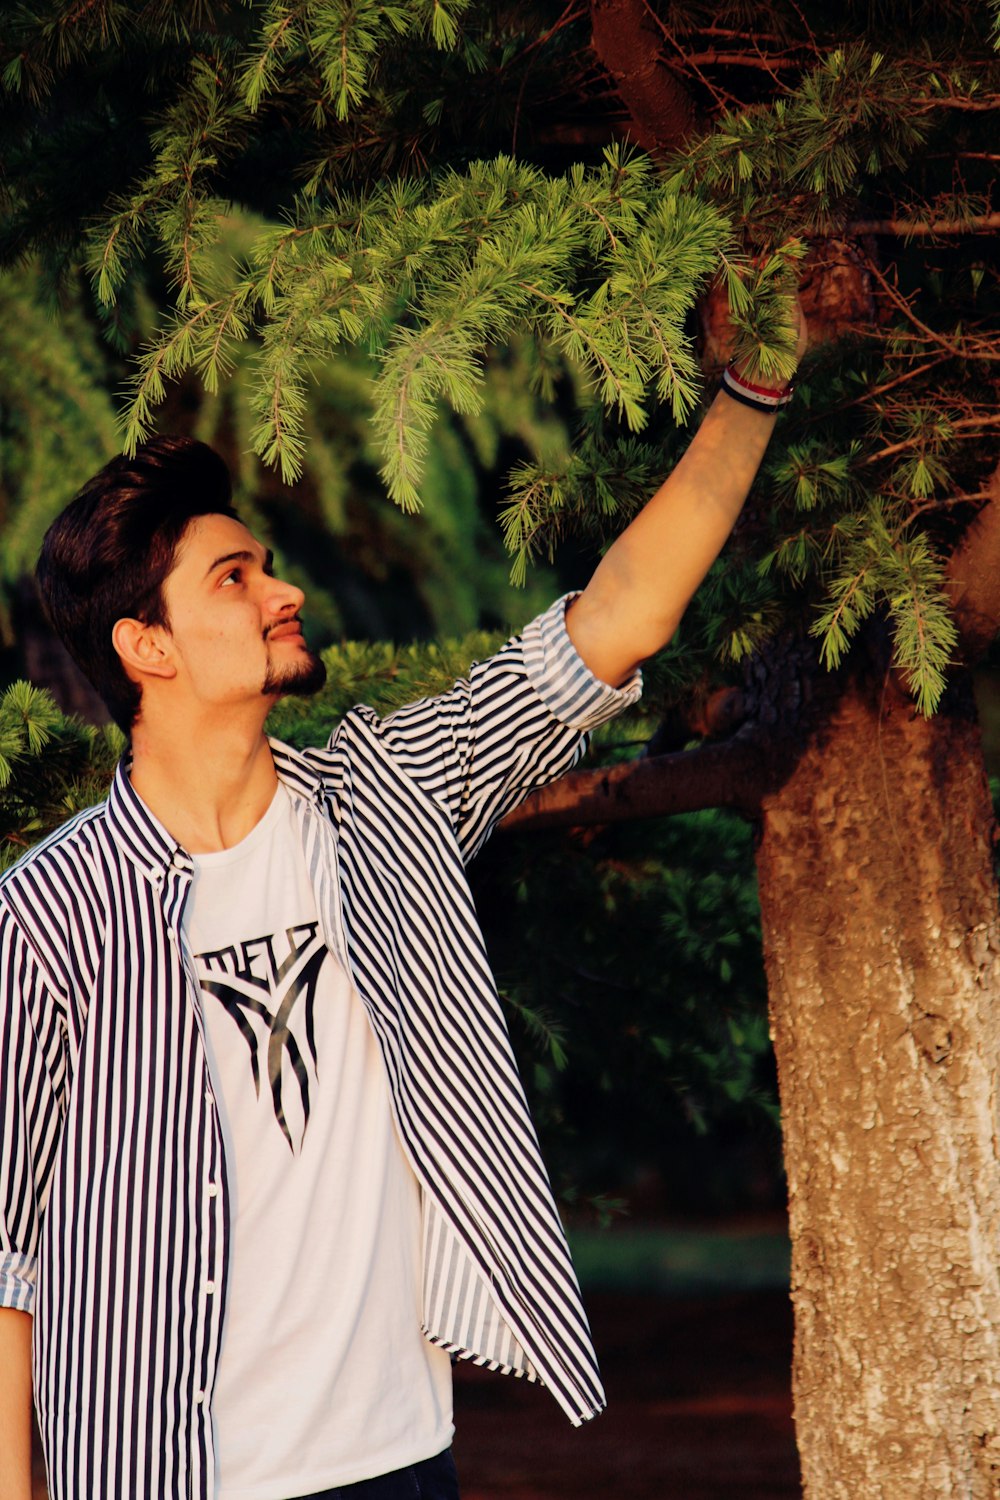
column 324, row 1375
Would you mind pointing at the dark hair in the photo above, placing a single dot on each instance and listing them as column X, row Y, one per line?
column 105, row 558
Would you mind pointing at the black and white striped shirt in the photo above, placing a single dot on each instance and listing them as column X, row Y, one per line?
column 114, row 1213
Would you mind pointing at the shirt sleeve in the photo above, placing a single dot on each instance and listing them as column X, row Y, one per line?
column 514, row 724
column 561, row 677
column 31, row 1086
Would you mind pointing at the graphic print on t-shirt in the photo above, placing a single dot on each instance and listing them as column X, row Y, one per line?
column 261, row 993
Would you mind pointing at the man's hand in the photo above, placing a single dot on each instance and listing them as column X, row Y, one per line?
column 645, row 581
column 15, row 1405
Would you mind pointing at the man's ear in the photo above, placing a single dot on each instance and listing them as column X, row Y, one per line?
column 143, row 649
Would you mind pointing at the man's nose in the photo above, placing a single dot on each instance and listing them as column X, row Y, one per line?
column 286, row 598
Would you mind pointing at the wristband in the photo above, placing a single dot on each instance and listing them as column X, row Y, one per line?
column 763, row 397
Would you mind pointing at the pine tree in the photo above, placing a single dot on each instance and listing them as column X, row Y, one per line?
column 418, row 202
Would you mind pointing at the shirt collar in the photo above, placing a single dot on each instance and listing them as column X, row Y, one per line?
column 151, row 847
column 139, row 832
column 301, row 778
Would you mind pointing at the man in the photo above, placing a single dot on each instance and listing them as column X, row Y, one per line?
column 266, row 1163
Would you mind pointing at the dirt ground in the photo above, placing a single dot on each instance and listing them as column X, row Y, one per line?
column 699, row 1408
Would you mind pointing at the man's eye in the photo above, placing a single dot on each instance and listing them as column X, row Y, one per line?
column 233, row 576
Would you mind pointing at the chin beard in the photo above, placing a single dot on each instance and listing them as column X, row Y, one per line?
column 303, row 677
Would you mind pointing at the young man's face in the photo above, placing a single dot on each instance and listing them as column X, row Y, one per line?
column 234, row 629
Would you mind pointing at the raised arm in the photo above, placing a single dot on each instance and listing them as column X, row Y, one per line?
column 519, row 720
column 645, row 581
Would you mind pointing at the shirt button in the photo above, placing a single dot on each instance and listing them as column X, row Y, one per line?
column 213, row 1188
column 199, row 1397
column 208, row 1096
column 210, row 1287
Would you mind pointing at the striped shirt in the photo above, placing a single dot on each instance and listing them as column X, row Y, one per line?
column 114, row 1203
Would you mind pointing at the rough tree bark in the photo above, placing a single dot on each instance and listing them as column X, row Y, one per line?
column 882, row 948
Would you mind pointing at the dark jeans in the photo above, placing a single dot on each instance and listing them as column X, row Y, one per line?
column 433, row 1479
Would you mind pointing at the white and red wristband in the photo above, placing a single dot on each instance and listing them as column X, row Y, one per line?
column 764, row 398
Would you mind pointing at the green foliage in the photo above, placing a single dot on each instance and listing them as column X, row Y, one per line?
column 57, row 422
column 444, row 571
column 792, row 166
column 631, row 967
column 884, row 435
column 738, row 612
column 601, row 265
column 592, row 492
column 808, row 477
column 877, row 566
column 27, row 719
column 450, row 253
column 761, row 312
column 856, row 551
column 51, row 767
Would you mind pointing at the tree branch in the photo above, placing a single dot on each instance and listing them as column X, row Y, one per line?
column 764, row 62
column 987, row 105
column 925, row 228
column 733, row 774
column 971, row 425
column 898, row 300
column 776, row 709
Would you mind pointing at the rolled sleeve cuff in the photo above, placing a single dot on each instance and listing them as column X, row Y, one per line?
column 17, row 1282
column 562, row 678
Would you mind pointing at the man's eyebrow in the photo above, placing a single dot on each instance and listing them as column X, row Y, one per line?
column 244, row 556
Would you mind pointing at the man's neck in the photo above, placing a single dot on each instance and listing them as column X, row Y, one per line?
column 208, row 788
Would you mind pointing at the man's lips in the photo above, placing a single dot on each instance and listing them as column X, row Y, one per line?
column 292, row 631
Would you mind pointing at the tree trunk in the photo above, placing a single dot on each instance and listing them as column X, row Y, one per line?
column 882, row 947
column 627, row 42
